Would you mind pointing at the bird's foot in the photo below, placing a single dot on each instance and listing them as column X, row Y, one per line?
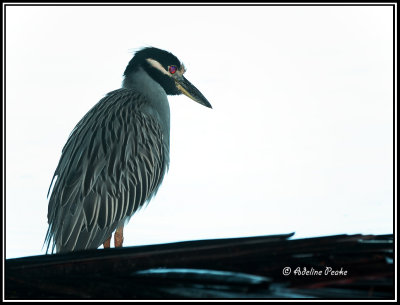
column 107, row 243
column 119, row 237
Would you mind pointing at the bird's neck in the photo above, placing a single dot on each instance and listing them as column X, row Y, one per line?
column 156, row 101
column 141, row 81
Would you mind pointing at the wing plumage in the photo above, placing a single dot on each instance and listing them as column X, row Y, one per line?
column 113, row 162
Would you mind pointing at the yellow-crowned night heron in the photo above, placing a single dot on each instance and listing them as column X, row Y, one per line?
column 115, row 158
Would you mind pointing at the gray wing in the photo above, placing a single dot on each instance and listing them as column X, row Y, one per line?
column 113, row 162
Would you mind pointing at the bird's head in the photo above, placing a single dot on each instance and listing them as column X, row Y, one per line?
column 166, row 69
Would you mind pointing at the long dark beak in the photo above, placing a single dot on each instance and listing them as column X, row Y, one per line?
column 191, row 91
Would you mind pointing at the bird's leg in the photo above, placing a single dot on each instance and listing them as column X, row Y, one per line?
column 119, row 237
column 107, row 243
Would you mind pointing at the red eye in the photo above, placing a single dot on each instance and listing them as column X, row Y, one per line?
column 172, row 69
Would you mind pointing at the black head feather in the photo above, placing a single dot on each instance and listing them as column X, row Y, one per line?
column 164, row 58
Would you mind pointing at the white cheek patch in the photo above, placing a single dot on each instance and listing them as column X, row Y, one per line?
column 157, row 65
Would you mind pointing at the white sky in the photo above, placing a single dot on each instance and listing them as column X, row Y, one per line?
column 300, row 137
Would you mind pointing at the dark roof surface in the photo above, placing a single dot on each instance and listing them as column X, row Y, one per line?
column 329, row 267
